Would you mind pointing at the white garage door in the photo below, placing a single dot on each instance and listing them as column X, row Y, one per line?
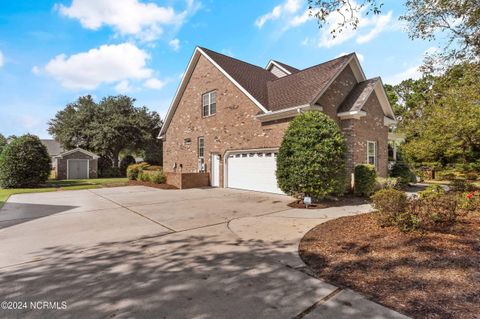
column 253, row 171
column 77, row 168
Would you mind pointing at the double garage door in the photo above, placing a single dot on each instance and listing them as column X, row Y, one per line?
column 252, row 171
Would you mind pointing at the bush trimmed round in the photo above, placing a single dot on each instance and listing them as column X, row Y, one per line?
column 311, row 159
column 24, row 163
column 365, row 179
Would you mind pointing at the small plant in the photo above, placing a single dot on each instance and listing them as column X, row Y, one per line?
column 404, row 173
column 156, row 177
column 387, row 183
column 461, row 185
column 432, row 191
column 134, row 170
column 435, row 211
column 470, row 201
column 365, row 179
column 143, row 176
column 390, row 203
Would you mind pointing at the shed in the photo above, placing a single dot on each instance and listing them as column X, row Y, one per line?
column 76, row 164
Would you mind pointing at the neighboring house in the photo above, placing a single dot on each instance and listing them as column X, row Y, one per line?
column 76, row 164
column 54, row 148
column 228, row 117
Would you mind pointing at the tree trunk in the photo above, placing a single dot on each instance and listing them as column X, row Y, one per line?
column 115, row 158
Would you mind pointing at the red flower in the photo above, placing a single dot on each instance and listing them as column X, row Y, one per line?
column 469, row 195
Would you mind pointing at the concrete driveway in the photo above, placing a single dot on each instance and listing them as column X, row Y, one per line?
column 137, row 252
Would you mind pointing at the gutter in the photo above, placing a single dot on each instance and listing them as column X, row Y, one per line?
column 286, row 113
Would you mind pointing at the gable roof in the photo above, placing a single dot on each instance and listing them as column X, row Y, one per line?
column 78, row 149
column 299, row 88
column 53, row 147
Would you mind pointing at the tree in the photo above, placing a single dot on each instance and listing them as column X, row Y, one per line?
column 24, row 163
column 311, row 158
column 108, row 127
column 441, row 122
column 3, row 142
column 426, row 19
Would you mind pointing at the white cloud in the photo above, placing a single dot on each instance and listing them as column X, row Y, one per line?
column 289, row 7
column 127, row 17
column 360, row 56
column 174, row 44
column 123, row 87
column 154, row 84
column 410, row 73
column 106, row 64
column 379, row 23
column 1, row 59
column 36, row 70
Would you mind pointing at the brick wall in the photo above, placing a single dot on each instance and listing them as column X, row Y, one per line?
column 234, row 127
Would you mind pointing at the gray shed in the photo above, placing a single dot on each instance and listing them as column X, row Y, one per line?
column 76, row 164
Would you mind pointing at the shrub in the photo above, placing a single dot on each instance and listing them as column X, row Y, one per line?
column 435, row 211
column 134, row 170
column 471, row 176
column 461, row 185
column 24, row 163
column 153, row 168
column 387, row 183
column 404, row 173
column 390, row 203
column 111, row 172
column 156, row 177
column 311, row 159
column 432, row 191
column 365, row 179
column 125, row 162
column 445, row 176
column 104, row 166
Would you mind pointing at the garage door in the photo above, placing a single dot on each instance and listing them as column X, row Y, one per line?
column 77, row 168
column 253, row 171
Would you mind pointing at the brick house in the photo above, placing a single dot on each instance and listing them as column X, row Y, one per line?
column 228, row 117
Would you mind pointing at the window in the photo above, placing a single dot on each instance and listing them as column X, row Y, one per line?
column 201, row 154
column 372, row 153
column 209, row 103
column 201, row 147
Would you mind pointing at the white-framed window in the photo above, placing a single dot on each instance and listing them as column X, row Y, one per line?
column 372, row 153
column 201, row 153
column 209, row 103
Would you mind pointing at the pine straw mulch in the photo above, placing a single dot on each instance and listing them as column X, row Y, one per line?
column 148, row 184
column 423, row 275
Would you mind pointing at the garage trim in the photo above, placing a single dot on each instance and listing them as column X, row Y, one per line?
column 229, row 152
column 88, row 166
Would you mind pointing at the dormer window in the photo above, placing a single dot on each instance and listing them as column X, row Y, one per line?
column 209, row 103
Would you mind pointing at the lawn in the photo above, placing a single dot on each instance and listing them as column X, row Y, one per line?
column 63, row 185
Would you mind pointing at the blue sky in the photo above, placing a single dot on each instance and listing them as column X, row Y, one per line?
column 52, row 52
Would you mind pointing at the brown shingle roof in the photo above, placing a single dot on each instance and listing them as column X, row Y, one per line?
column 298, row 88
column 358, row 96
column 302, row 87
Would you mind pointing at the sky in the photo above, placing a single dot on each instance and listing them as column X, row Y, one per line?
column 52, row 52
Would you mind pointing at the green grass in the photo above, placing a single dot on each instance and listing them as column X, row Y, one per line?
column 62, row 185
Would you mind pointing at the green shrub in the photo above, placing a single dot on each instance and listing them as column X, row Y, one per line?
column 134, row 170
column 461, row 185
column 445, row 176
column 24, row 163
column 365, row 179
column 471, row 176
column 111, row 172
column 125, row 163
column 143, row 176
column 404, row 173
column 432, row 191
column 390, row 203
column 154, row 168
column 311, row 159
column 387, row 183
column 470, row 201
column 156, row 177
column 105, row 165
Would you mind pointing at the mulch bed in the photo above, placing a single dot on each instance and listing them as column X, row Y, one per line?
column 331, row 202
column 423, row 275
column 161, row 186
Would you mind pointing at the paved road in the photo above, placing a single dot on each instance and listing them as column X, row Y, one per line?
column 137, row 252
